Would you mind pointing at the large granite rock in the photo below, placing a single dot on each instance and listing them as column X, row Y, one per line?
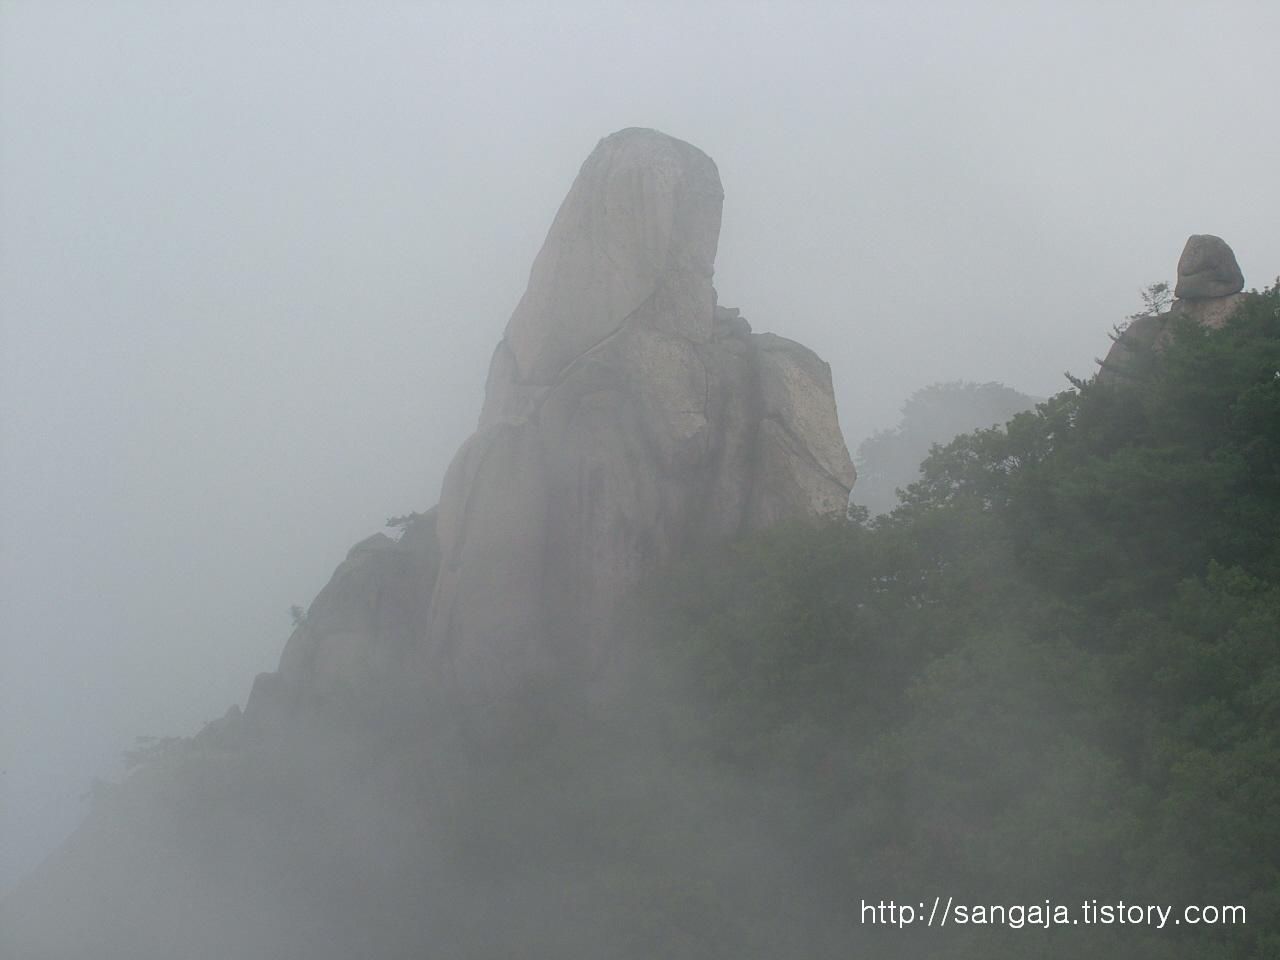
column 1207, row 269
column 359, row 644
column 1208, row 292
column 625, row 414
column 369, row 620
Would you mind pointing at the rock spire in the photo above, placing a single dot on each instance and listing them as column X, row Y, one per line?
column 626, row 415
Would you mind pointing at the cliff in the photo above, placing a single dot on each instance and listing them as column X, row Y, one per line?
column 628, row 418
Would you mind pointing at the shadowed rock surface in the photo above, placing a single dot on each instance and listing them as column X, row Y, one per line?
column 368, row 622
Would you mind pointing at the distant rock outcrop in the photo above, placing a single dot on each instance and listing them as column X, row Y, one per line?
column 1207, row 269
column 626, row 415
column 1207, row 291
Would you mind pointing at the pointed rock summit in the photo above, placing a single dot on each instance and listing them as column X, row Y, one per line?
column 638, row 230
column 626, row 417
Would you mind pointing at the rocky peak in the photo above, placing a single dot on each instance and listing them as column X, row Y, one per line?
column 1208, row 291
column 638, row 228
column 626, row 415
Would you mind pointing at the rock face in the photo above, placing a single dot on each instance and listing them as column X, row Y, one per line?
column 1208, row 291
column 368, row 622
column 625, row 414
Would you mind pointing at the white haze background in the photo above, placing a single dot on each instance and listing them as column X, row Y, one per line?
column 254, row 259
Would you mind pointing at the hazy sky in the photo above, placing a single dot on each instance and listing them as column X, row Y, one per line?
column 254, row 259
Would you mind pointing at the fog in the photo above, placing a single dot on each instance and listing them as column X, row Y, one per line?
column 255, row 259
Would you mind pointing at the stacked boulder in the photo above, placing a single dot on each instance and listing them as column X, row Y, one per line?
column 1208, row 291
column 1209, row 281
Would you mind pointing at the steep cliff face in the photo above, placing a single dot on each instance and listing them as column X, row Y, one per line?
column 349, row 811
column 625, row 414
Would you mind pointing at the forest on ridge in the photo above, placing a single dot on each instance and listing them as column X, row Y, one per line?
column 1053, row 672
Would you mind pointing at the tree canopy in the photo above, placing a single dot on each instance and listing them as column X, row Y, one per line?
column 890, row 459
column 1052, row 672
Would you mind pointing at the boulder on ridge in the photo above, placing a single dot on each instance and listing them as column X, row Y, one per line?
column 1208, row 291
column 1207, row 269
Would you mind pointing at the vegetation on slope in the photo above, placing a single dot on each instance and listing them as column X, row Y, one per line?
column 1053, row 673
column 889, row 460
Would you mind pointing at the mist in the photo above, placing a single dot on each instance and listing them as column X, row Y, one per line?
column 255, row 260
